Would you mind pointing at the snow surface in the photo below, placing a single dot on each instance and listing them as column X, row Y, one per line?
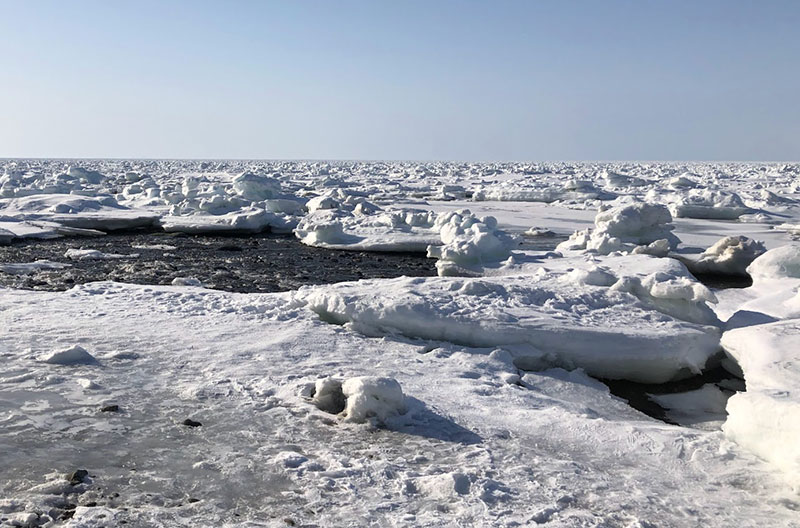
column 465, row 399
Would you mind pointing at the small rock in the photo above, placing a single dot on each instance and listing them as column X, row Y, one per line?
column 110, row 408
column 91, row 504
column 191, row 423
column 77, row 477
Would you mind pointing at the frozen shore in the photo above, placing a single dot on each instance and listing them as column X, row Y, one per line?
column 469, row 398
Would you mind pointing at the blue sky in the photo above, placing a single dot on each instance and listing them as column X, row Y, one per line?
column 466, row 80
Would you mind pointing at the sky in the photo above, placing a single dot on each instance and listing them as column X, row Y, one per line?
column 419, row 80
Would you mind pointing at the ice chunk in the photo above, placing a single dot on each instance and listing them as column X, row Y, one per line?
column 766, row 418
column 255, row 187
column 187, row 281
column 75, row 355
column 86, row 212
column 729, row 256
column 31, row 267
column 704, row 203
column 703, row 408
column 328, row 395
column 609, row 333
column 369, row 397
column 93, row 254
column 468, row 243
column 626, row 228
column 777, row 263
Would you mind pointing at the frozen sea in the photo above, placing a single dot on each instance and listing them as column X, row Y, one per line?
column 290, row 343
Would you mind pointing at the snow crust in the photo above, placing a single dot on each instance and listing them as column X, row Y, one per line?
column 295, row 399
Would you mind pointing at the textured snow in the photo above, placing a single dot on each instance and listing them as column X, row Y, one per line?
column 491, row 448
column 294, row 400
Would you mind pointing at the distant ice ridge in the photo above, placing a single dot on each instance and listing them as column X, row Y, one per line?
column 542, row 189
column 253, row 196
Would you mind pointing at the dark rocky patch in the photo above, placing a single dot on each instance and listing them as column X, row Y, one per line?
column 77, row 477
column 238, row 263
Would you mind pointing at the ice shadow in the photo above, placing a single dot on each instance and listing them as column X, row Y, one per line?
column 745, row 318
column 420, row 420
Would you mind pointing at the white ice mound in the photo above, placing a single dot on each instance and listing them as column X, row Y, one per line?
column 675, row 294
column 88, row 212
column 729, row 256
column 469, row 242
column 547, row 188
column 704, row 203
column 255, row 187
column 617, row 180
column 781, row 262
column 76, row 355
column 94, row 254
column 766, row 418
column 360, row 399
column 366, row 228
column 639, row 228
column 251, row 203
column 187, row 281
column 360, row 226
column 608, row 332
column 24, row 268
column 249, row 219
column 370, row 397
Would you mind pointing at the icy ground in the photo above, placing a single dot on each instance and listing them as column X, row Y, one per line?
column 471, row 398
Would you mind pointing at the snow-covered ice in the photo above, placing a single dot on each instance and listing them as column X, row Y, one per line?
column 471, row 398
